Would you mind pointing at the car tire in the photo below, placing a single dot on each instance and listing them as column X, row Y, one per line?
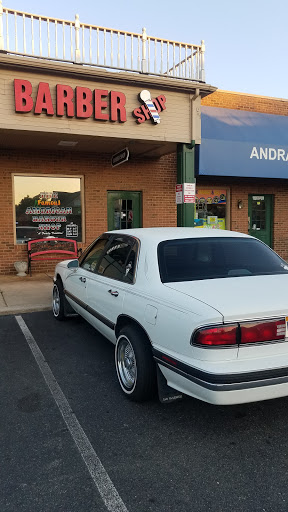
column 58, row 300
column 135, row 366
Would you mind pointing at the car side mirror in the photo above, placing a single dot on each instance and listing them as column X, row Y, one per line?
column 73, row 264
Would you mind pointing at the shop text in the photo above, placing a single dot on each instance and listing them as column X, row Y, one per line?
column 269, row 154
column 143, row 113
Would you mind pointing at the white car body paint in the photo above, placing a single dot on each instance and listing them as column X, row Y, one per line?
column 171, row 312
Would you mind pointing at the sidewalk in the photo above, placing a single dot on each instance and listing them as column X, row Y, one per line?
column 25, row 294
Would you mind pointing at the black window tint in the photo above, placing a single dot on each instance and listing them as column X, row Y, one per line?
column 211, row 258
column 116, row 263
column 91, row 260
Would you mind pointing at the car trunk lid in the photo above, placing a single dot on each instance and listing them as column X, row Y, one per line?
column 240, row 298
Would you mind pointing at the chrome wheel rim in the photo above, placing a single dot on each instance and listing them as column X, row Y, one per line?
column 126, row 363
column 56, row 300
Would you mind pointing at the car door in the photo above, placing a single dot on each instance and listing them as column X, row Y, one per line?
column 77, row 280
column 106, row 288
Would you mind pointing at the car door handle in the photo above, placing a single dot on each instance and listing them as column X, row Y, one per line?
column 114, row 293
column 83, row 279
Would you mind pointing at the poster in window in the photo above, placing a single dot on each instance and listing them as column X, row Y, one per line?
column 47, row 206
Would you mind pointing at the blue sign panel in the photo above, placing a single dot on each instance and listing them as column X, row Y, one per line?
column 245, row 144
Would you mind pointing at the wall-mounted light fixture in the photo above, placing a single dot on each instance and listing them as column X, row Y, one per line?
column 240, row 204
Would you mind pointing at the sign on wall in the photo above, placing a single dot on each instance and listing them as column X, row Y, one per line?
column 185, row 193
column 80, row 102
column 212, row 196
column 243, row 144
column 120, row 157
column 179, row 193
column 47, row 206
column 84, row 103
column 150, row 109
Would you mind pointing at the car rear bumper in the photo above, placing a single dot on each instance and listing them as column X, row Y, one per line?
column 224, row 389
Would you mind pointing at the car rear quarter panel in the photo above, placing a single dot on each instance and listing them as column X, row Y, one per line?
column 169, row 323
column 168, row 316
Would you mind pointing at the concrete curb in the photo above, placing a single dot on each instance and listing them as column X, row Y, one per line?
column 22, row 310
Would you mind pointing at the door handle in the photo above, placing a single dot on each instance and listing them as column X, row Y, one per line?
column 114, row 293
column 83, row 279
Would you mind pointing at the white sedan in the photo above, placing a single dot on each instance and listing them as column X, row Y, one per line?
column 195, row 311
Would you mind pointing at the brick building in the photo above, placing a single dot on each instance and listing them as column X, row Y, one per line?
column 62, row 120
column 64, row 115
column 246, row 159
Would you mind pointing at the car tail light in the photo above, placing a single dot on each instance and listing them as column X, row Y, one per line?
column 257, row 332
column 215, row 336
column 241, row 333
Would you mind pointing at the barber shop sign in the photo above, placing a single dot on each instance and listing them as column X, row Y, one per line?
column 84, row 103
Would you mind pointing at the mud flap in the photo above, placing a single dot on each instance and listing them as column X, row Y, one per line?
column 165, row 393
column 68, row 310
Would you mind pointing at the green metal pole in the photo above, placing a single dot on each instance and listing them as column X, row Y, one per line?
column 186, row 174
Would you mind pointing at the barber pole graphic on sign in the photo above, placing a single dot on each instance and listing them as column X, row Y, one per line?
column 150, row 108
column 145, row 96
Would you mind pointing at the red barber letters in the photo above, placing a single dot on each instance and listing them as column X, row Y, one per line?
column 80, row 103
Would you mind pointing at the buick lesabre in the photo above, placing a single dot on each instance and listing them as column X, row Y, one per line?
column 204, row 310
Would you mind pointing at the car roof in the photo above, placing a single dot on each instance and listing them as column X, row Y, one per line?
column 166, row 233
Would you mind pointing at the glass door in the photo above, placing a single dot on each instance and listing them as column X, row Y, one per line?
column 260, row 217
column 124, row 210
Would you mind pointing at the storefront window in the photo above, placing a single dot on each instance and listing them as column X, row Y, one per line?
column 47, row 206
column 210, row 208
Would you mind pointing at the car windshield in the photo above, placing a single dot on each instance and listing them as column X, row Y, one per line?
column 213, row 258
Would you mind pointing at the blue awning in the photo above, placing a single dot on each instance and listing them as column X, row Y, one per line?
column 241, row 143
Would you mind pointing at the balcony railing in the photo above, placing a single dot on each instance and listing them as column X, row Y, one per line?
column 43, row 37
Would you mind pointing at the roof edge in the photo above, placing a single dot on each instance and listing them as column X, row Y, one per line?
column 81, row 71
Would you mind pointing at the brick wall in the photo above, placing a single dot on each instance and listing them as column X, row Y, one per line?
column 242, row 101
column 239, row 218
column 155, row 178
column 241, row 188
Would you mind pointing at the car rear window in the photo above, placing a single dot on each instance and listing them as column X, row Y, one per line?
column 211, row 258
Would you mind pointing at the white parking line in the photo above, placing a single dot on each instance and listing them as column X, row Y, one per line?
column 96, row 469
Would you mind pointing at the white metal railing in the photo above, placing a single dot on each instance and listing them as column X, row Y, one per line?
column 72, row 41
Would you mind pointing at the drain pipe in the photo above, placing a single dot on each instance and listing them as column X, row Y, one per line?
column 196, row 116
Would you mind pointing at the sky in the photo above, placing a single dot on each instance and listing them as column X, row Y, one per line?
column 246, row 41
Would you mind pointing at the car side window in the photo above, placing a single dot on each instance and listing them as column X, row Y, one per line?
column 130, row 265
column 118, row 261
column 91, row 260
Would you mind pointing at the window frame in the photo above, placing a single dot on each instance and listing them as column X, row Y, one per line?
column 132, row 241
column 228, row 202
column 49, row 175
column 89, row 249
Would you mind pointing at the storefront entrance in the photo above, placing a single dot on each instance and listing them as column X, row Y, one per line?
column 124, row 210
column 260, row 217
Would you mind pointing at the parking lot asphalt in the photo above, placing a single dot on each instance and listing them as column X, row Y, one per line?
column 181, row 457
